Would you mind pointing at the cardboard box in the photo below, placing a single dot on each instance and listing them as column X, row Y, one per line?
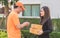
column 35, row 28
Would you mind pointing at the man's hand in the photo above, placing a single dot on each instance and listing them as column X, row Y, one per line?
column 26, row 23
column 23, row 25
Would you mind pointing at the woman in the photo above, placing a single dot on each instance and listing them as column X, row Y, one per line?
column 46, row 22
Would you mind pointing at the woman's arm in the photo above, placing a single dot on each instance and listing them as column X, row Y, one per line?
column 49, row 25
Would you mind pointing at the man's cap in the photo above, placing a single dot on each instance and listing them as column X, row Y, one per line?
column 20, row 4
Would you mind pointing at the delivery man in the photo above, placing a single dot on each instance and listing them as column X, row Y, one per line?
column 13, row 24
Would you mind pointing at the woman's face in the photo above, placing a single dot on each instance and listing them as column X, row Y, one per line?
column 42, row 13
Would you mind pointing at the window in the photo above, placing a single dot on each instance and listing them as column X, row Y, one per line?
column 31, row 10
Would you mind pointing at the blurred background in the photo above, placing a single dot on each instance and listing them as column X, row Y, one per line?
column 31, row 14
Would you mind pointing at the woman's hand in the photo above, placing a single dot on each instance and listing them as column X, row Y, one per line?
column 40, row 32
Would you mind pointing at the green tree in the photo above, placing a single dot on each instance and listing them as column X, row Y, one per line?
column 6, row 9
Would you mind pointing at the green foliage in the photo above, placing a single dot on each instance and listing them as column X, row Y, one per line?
column 55, row 23
column 16, row 0
column 5, row 2
column 55, row 35
column 3, row 25
column 31, row 20
column 27, row 34
column 3, row 34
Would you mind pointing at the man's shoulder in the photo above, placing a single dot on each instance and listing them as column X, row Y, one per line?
column 12, row 13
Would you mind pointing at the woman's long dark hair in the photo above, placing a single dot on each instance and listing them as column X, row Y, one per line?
column 46, row 16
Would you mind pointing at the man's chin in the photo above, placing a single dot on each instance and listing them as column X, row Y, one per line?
column 18, row 12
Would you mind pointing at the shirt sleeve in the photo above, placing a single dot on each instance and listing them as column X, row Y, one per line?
column 15, row 19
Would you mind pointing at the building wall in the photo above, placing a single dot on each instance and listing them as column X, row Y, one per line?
column 54, row 6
